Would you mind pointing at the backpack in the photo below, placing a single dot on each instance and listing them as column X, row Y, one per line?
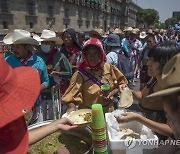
column 125, row 65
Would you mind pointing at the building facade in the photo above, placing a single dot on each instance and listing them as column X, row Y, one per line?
column 176, row 14
column 82, row 15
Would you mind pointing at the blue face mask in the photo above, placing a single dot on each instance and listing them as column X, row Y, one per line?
column 46, row 48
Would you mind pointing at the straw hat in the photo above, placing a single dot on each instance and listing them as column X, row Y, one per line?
column 19, row 36
column 20, row 88
column 100, row 32
column 137, row 29
column 142, row 35
column 48, row 35
column 149, row 31
column 128, row 29
column 156, row 30
column 37, row 38
column 170, row 84
column 117, row 31
column 134, row 31
column 161, row 31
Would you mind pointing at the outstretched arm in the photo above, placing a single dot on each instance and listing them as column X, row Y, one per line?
column 39, row 133
column 160, row 128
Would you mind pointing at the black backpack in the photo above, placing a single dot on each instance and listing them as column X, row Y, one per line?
column 125, row 65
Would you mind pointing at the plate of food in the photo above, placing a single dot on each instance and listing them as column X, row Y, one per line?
column 129, row 133
column 81, row 117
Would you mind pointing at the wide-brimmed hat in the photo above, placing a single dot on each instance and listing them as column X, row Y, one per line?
column 117, row 31
column 19, row 36
column 19, row 89
column 161, row 31
column 128, row 29
column 142, row 35
column 134, row 31
column 49, row 35
column 156, row 30
column 137, row 29
column 170, row 84
column 98, row 31
column 113, row 40
column 149, row 31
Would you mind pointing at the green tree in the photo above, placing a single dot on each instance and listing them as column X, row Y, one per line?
column 172, row 21
column 149, row 17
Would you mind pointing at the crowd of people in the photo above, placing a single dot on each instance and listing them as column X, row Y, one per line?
column 73, row 66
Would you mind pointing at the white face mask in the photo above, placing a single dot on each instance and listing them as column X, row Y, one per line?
column 46, row 48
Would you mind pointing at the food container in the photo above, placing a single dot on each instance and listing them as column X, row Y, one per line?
column 83, row 133
column 81, row 118
column 116, row 145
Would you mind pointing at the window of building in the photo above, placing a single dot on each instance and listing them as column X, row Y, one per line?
column 80, row 14
column 97, row 17
column 31, row 8
column 50, row 11
column 5, row 25
column 80, row 2
column 31, row 25
column 66, row 13
column 105, row 5
column 86, row 1
column 94, row 16
column 87, row 15
column 4, row 6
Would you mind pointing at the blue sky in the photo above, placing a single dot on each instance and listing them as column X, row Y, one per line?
column 164, row 7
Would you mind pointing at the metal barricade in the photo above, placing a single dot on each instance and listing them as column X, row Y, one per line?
column 51, row 103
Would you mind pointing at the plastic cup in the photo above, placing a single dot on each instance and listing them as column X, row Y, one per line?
column 98, row 133
column 100, row 150
column 96, row 142
column 98, row 120
column 98, row 130
column 99, row 138
column 105, row 88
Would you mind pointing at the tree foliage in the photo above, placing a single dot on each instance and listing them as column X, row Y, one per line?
column 148, row 17
column 172, row 21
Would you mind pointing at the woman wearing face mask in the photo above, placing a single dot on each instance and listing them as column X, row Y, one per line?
column 58, row 66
